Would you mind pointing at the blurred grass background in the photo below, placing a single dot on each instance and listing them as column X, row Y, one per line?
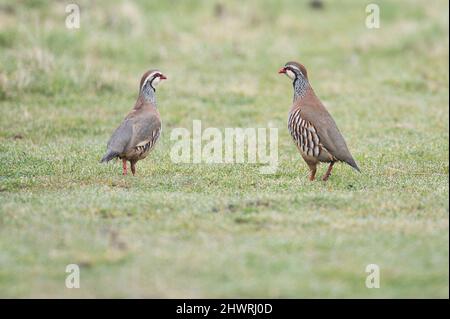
column 186, row 230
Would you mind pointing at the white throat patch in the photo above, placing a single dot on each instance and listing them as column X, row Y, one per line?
column 290, row 74
column 149, row 77
column 156, row 81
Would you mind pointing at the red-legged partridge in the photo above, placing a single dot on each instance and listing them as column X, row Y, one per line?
column 311, row 126
column 136, row 136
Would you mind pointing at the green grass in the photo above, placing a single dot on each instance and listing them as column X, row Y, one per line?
column 198, row 230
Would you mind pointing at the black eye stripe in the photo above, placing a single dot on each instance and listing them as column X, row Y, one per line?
column 156, row 75
column 290, row 68
column 293, row 70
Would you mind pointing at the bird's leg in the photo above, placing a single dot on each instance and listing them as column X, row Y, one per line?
column 328, row 173
column 313, row 170
column 124, row 166
column 133, row 167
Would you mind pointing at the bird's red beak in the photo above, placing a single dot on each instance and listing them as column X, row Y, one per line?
column 282, row 70
column 163, row 77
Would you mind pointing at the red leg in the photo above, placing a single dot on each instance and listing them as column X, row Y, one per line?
column 124, row 166
column 133, row 167
column 313, row 170
column 328, row 173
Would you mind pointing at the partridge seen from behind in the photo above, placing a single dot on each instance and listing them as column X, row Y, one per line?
column 136, row 136
column 311, row 126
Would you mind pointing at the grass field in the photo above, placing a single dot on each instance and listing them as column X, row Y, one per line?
column 199, row 230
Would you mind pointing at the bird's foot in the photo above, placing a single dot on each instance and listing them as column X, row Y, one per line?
column 312, row 176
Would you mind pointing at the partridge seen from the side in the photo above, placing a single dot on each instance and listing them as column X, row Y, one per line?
column 311, row 126
column 136, row 136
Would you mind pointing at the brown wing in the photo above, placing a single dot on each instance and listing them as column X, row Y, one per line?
column 328, row 132
column 121, row 136
column 146, row 130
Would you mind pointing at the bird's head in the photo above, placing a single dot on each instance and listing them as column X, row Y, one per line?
column 294, row 71
column 151, row 79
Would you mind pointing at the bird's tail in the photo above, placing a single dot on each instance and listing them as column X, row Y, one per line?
column 353, row 164
column 109, row 156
